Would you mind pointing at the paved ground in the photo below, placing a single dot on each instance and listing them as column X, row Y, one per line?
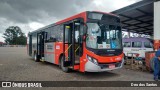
column 16, row 65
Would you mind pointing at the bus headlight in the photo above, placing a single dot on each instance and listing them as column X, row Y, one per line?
column 95, row 61
column 92, row 60
column 118, row 58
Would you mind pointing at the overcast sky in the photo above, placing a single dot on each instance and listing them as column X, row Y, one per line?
column 30, row 15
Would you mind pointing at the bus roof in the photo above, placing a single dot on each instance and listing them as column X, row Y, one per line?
column 63, row 21
column 136, row 39
column 80, row 15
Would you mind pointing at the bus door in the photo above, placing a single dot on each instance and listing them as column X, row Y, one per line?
column 77, row 41
column 72, row 41
column 30, row 45
column 40, row 45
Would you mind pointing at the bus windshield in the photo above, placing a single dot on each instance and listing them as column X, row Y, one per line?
column 103, row 36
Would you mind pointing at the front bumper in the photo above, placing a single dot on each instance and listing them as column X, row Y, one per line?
column 91, row 67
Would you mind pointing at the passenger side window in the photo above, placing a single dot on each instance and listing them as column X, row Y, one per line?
column 127, row 44
column 147, row 45
column 77, row 29
column 66, row 34
column 137, row 44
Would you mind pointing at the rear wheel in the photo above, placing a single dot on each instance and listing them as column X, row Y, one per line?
column 64, row 69
column 35, row 58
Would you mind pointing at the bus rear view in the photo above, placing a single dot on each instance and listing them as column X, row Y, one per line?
column 87, row 42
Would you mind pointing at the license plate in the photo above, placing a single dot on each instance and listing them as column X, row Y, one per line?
column 111, row 66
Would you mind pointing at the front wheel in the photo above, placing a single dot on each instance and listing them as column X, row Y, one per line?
column 64, row 69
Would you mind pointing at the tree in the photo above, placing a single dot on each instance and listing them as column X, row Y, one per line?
column 14, row 36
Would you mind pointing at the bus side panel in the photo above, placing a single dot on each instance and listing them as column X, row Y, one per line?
column 34, row 44
column 83, row 59
column 58, row 51
column 49, row 52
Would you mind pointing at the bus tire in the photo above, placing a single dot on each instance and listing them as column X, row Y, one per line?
column 64, row 69
column 35, row 57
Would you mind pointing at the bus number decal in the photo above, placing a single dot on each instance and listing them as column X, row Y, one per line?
column 49, row 47
column 57, row 47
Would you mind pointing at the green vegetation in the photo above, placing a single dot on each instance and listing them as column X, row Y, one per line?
column 14, row 36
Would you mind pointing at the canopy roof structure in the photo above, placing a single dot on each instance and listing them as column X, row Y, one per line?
column 138, row 17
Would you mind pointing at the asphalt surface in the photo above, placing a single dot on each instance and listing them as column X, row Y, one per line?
column 16, row 65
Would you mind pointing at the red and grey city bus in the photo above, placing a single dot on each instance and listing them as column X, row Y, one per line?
column 90, row 41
